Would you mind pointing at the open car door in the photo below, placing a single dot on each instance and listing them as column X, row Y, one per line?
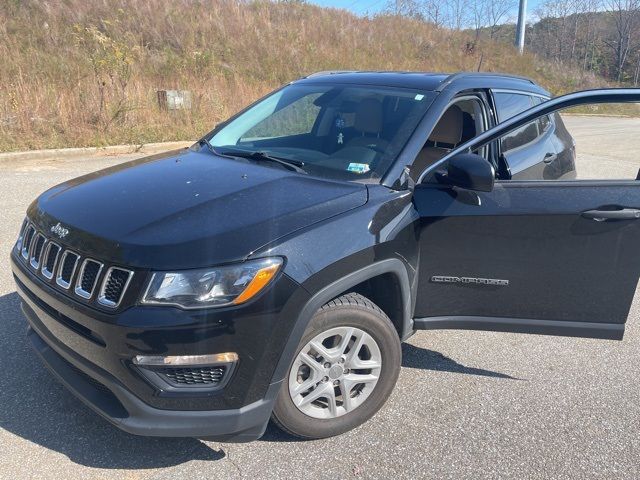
column 538, row 256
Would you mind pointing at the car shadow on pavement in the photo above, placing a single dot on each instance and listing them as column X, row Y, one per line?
column 422, row 358
column 35, row 407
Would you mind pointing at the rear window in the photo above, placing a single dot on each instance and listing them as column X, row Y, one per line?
column 545, row 121
column 509, row 105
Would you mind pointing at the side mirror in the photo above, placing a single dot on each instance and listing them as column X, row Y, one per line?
column 471, row 172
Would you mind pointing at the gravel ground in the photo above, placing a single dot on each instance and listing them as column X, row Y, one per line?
column 467, row 405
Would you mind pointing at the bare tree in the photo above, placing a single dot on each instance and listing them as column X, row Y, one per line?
column 590, row 39
column 434, row 11
column 602, row 36
column 406, row 8
column 498, row 12
column 457, row 14
column 625, row 15
column 555, row 15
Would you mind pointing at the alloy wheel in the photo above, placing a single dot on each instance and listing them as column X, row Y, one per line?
column 335, row 372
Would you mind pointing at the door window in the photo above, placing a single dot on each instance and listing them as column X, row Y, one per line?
column 594, row 142
column 544, row 122
column 509, row 105
column 464, row 119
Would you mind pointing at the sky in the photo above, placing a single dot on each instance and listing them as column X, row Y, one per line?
column 361, row 7
column 371, row 7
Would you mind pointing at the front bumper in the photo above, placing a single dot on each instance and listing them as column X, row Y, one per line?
column 99, row 370
column 107, row 397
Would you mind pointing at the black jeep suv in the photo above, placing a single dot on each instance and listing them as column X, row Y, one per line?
column 272, row 269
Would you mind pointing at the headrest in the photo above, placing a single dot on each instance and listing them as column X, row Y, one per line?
column 368, row 118
column 449, row 127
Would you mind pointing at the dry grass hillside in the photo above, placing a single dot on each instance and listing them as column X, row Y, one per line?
column 78, row 72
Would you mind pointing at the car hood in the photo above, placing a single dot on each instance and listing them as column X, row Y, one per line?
column 187, row 209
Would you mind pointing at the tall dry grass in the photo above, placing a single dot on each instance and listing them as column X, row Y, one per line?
column 85, row 72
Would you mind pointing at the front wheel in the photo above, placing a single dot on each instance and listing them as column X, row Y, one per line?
column 345, row 369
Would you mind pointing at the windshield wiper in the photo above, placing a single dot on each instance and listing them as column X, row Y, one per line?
column 204, row 141
column 288, row 163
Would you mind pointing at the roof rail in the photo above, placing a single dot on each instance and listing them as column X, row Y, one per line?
column 329, row 72
column 455, row 76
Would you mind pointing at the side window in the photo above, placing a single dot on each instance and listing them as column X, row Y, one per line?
column 509, row 105
column 590, row 142
column 459, row 123
column 296, row 118
column 545, row 121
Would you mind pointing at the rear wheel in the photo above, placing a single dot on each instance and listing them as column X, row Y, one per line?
column 345, row 369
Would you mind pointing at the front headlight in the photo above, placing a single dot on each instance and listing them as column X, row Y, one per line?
column 211, row 287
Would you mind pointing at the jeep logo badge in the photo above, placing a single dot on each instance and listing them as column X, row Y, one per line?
column 59, row 230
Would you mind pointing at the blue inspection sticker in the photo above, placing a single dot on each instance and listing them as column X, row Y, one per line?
column 358, row 167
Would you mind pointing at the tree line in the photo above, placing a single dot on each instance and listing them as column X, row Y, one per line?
column 599, row 36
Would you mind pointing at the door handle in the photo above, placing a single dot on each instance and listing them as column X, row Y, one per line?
column 604, row 215
column 550, row 157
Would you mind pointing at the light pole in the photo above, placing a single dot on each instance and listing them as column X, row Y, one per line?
column 522, row 25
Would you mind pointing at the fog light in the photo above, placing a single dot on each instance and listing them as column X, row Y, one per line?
column 187, row 373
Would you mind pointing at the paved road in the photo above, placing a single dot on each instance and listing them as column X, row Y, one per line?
column 607, row 147
column 467, row 405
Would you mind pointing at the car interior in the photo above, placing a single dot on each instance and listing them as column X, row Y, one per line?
column 349, row 128
column 462, row 121
column 368, row 126
column 352, row 130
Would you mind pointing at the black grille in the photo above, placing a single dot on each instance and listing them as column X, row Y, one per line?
column 114, row 286
column 52, row 256
column 53, row 260
column 69, row 265
column 194, row 376
column 37, row 250
column 23, row 230
column 89, row 275
column 26, row 241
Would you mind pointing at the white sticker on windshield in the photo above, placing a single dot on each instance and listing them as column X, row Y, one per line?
column 419, row 96
column 358, row 167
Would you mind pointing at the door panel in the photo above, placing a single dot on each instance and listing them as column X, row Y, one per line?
column 558, row 265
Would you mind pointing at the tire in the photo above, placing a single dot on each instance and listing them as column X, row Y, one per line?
column 348, row 320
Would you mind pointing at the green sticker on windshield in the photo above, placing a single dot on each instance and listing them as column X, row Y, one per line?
column 358, row 167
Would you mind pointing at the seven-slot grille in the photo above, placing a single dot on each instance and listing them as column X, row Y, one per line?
column 52, row 261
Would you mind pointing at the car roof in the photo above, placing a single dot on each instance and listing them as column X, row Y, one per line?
column 426, row 80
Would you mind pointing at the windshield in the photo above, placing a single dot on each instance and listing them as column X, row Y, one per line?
column 344, row 132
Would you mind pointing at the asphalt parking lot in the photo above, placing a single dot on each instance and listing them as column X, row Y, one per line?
column 467, row 405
